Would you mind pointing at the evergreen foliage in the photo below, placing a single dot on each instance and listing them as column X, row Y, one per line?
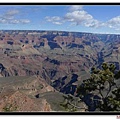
column 101, row 89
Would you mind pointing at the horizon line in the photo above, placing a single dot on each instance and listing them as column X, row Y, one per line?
column 60, row 31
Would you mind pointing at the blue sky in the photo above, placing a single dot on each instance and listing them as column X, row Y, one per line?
column 80, row 18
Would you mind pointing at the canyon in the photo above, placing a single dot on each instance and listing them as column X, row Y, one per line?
column 40, row 66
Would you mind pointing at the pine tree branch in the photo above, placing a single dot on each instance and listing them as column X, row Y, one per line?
column 108, row 90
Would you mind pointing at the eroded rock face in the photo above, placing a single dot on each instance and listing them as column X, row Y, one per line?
column 19, row 94
column 53, row 55
column 18, row 101
column 3, row 71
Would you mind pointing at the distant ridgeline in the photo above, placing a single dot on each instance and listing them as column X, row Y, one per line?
column 63, row 59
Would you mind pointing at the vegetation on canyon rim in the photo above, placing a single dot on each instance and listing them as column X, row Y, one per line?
column 101, row 88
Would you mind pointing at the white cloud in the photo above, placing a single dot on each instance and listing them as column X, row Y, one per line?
column 114, row 23
column 14, row 21
column 115, row 20
column 25, row 21
column 9, row 18
column 76, row 15
column 81, row 17
column 94, row 23
column 57, row 23
column 3, row 21
column 76, row 7
column 55, row 20
column 12, row 12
